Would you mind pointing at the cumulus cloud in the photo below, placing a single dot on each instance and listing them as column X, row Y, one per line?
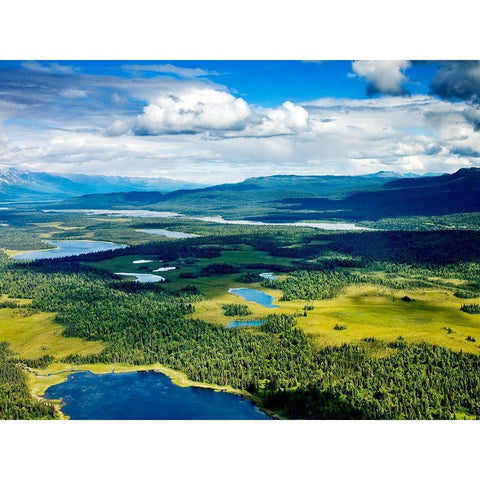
column 119, row 127
column 383, row 76
column 285, row 120
column 472, row 115
column 194, row 129
column 173, row 105
column 458, row 80
column 193, row 111
column 214, row 111
column 418, row 133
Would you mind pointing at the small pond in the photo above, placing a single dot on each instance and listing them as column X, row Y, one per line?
column 247, row 323
column 268, row 276
column 142, row 277
column 252, row 295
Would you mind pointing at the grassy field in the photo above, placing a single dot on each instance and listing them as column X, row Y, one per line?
column 36, row 335
column 209, row 285
column 12, row 253
column 33, row 336
column 365, row 310
column 370, row 311
column 362, row 310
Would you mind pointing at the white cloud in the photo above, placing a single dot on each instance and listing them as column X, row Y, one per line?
column 119, row 127
column 193, row 111
column 3, row 139
column 73, row 93
column 50, row 67
column 285, row 120
column 118, row 99
column 457, row 79
column 383, row 76
column 170, row 69
column 198, row 110
column 472, row 115
column 231, row 139
column 3, row 142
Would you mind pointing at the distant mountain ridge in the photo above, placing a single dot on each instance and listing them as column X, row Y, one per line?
column 445, row 194
column 17, row 185
column 291, row 198
column 256, row 196
column 335, row 186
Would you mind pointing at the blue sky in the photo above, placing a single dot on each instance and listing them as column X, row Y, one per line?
column 263, row 82
column 213, row 121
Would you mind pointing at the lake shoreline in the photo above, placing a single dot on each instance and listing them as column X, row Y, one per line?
column 18, row 255
column 254, row 295
column 40, row 380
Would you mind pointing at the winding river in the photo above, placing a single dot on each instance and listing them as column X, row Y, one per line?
column 209, row 219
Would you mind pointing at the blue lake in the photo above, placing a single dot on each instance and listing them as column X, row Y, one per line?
column 146, row 396
column 252, row 295
column 67, row 248
column 247, row 323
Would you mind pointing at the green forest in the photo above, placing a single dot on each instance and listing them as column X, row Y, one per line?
column 16, row 403
column 280, row 364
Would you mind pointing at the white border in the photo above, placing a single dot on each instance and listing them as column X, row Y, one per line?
column 238, row 450
column 247, row 29
column 250, row 29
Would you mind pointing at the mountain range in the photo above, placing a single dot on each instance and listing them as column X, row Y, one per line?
column 292, row 198
column 17, row 185
column 253, row 196
column 272, row 198
column 425, row 196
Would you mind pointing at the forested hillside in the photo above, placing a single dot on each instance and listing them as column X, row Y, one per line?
column 290, row 198
column 279, row 363
column 442, row 195
column 16, row 403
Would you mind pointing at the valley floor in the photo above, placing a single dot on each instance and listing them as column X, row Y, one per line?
column 335, row 297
